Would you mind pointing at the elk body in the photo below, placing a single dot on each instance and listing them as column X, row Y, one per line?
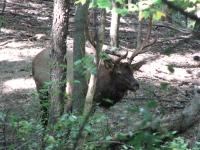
column 114, row 80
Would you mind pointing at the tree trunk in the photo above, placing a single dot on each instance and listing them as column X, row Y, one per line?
column 114, row 27
column 196, row 31
column 58, row 53
column 81, row 137
column 93, row 77
column 69, row 88
column 80, row 86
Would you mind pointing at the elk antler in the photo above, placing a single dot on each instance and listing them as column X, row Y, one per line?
column 144, row 44
column 120, row 58
column 116, row 53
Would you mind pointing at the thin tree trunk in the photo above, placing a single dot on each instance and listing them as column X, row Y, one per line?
column 58, row 53
column 196, row 32
column 69, row 88
column 80, row 86
column 93, row 77
column 81, row 137
column 114, row 27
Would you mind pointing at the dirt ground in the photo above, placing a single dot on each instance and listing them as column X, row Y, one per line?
column 26, row 31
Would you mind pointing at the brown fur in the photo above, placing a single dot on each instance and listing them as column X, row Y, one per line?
column 114, row 79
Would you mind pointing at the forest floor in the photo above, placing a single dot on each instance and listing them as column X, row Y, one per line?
column 26, row 31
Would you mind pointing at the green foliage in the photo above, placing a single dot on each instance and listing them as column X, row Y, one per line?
column 168, row 52
column 1, row 21
column 87, row 64
column 171, row 69
column 164, row 85
column 80, row 1
column 104, row 4
column 62, row 135
column 21, row 127
column 151, row 104
column 122, row 11
column 145, row 8
column 179, row 144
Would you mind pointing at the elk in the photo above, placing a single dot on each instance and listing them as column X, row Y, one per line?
column 114, row 80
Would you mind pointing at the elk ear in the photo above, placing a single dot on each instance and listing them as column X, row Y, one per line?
column 137, row 66
column 108, row 65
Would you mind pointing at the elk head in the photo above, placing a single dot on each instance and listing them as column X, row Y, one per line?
column 122, row 73
column 113, row 85
column 115, row 79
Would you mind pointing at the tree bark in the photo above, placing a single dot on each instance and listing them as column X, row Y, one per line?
column 81, row 137
column 58, row 53
column 80, row 87
column 114, row 27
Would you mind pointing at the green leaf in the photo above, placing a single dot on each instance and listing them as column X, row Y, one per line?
column 108, row 100
column 120, row 1
column 147, row 115
column 72, row 118
column 120, row 124
column 144, row 14
column 160, row 14
column 104, row 4
column 108, row 138
column 51, row 139
column 156, row 18
column 80, row 1
column 78, row 62
column 171, row 69
column 156, row 2
column 164, row 85
column 151, row 104
column 76, row 81
column 2, row 116
column 55, row 92
column 92, row 4
column 125, row 147
column 122, row 137
column 122, row 12
column 197, row 143
column 89, row 129
column 168, row 52
column 133, row 110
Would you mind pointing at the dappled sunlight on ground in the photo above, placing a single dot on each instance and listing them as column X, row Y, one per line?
column 15, row 66
column 18, row 54
column 18, row 84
